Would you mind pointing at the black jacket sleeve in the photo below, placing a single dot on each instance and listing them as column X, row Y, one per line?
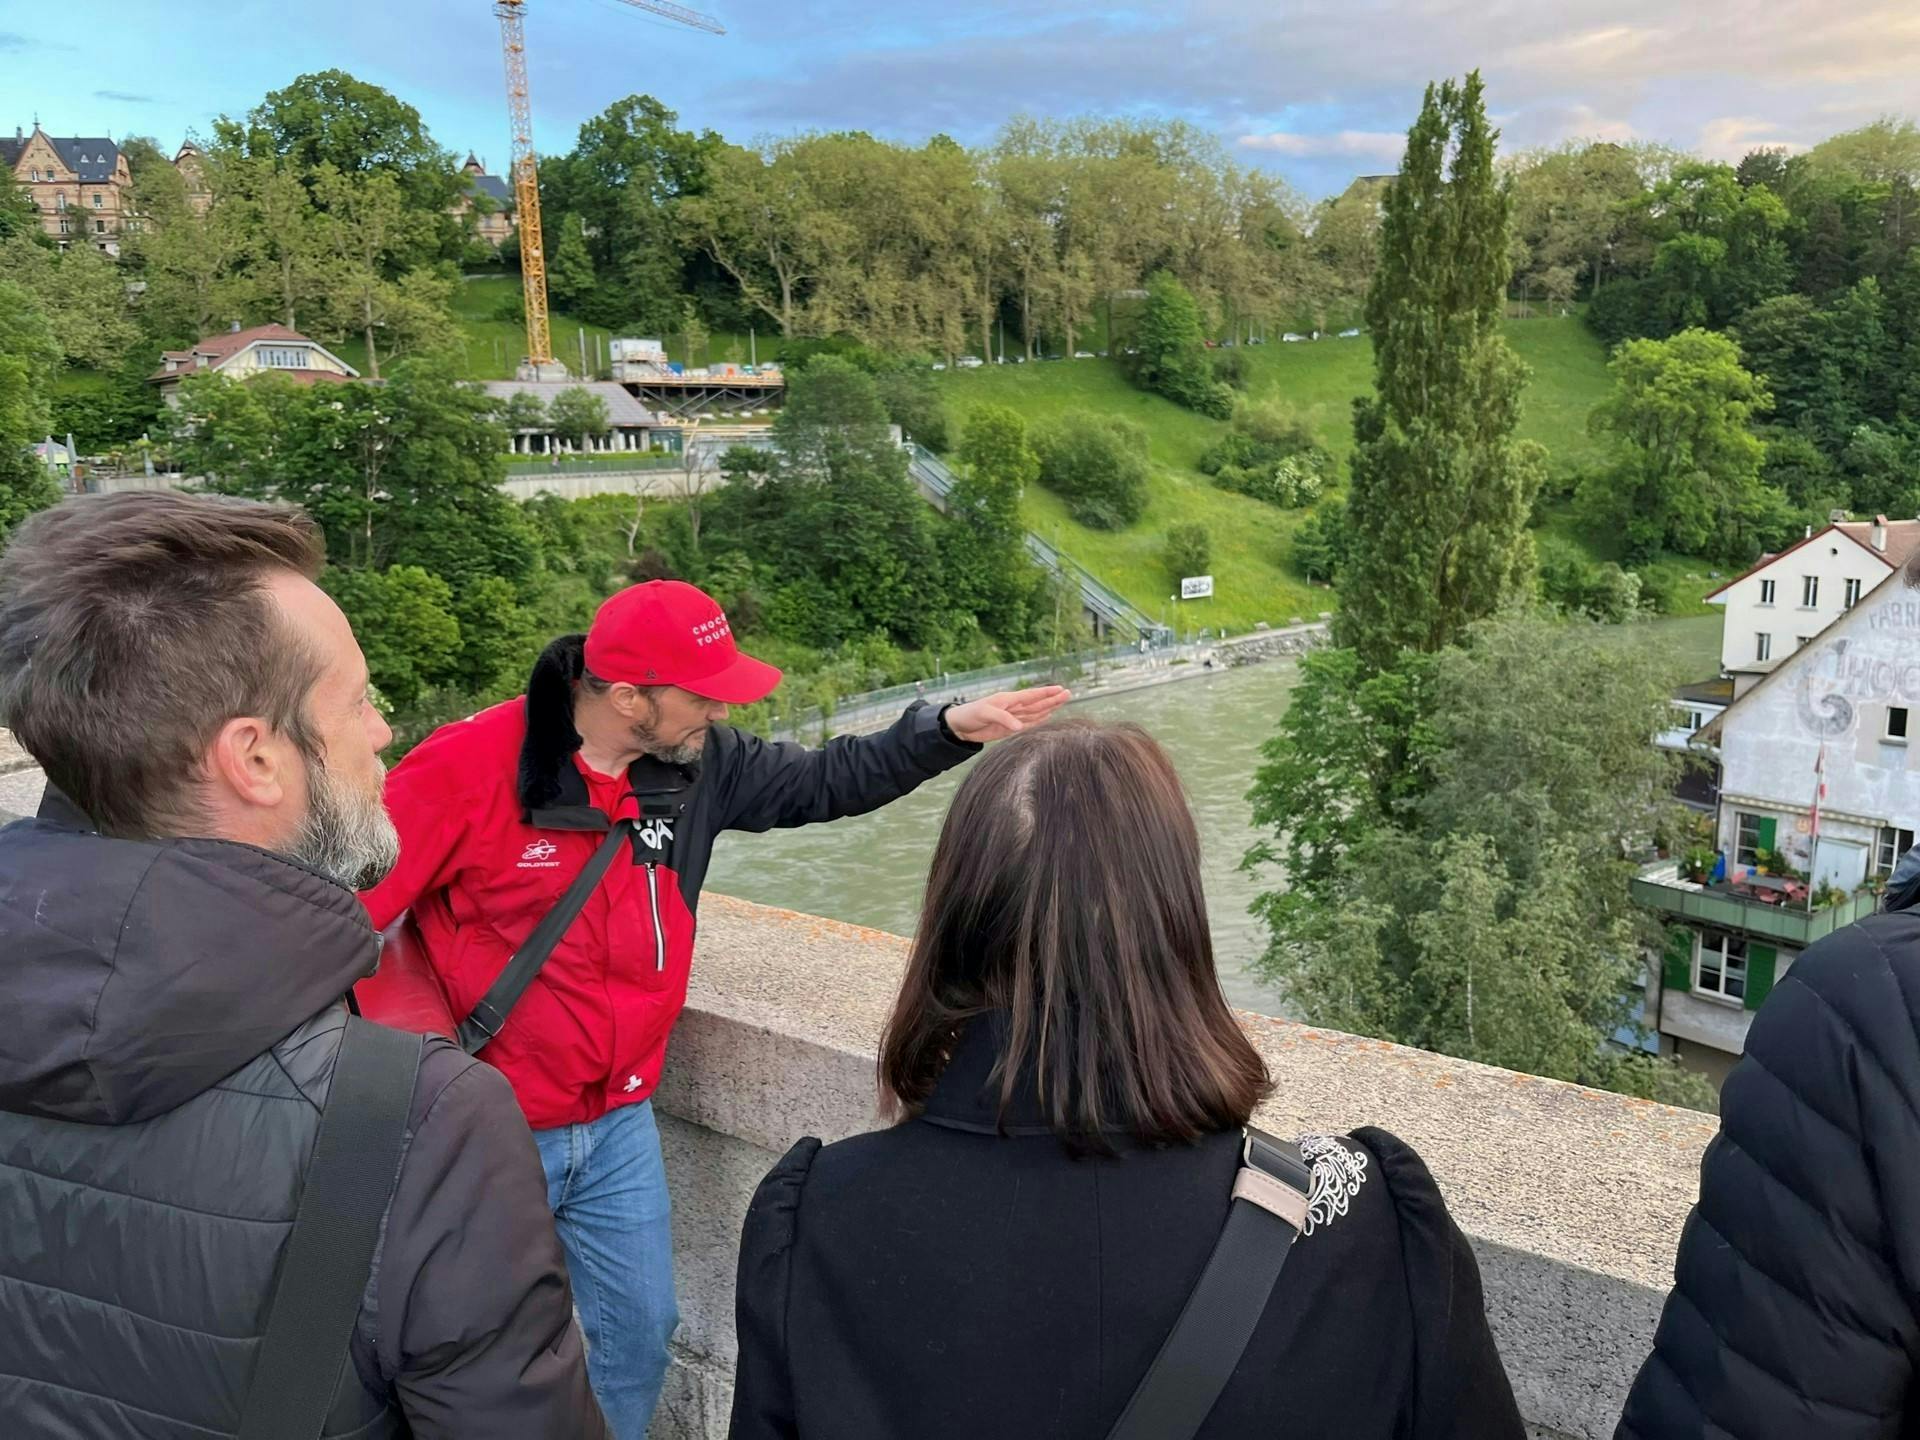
column 762, row 1384
column 762, row 784
column 1460, row 1388
column 1792, row 1312
column 472, row 1310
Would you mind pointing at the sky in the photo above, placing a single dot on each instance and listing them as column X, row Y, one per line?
column 1317, row 90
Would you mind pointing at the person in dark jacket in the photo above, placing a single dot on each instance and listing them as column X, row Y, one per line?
column 179, row 930
column 498, row 814
column 1794, row 1310
column 1071, row 1086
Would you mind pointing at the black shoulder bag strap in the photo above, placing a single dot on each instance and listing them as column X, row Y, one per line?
column 491, row 1012
column 1268, row 1210
column 323, row 1274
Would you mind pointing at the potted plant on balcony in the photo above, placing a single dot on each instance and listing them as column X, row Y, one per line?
column 1826, row 895
column 1696, row 864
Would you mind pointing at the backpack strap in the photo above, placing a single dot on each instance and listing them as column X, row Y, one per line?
column 323, row 1272
column 1266, row 1215
column 490, row 1013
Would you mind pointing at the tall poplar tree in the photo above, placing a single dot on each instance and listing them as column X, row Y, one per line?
column 1441, row 490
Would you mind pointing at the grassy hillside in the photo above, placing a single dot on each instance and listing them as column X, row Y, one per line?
column 1251, row 541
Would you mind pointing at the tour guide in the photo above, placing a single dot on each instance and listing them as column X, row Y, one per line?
column 497, row 816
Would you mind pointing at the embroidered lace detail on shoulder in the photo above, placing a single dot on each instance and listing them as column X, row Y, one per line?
column 1338, row 1174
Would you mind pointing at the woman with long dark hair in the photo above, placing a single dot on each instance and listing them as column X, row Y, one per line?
column 1071, row 1089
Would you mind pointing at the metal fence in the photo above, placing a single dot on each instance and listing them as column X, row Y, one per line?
column 853, row 713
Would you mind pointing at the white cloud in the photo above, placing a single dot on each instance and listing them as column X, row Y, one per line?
column 1730, row 137
column 1383, row 145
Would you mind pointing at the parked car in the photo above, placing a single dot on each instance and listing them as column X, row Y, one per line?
column 939, row 364
column 1083, row 354
column 969, row 362
column 1292, row 338
column 1349, row 334
column 1211, row 344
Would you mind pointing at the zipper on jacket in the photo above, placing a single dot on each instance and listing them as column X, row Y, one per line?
column 653, row 899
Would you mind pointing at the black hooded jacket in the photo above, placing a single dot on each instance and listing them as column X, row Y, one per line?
column 1795, row 1309
column 170, row 1013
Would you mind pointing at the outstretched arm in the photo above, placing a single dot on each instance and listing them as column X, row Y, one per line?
column 764, row 784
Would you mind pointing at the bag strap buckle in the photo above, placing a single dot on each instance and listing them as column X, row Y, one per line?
column 1273, row 1176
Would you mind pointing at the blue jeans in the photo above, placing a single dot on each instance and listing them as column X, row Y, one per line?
column 608, row 1189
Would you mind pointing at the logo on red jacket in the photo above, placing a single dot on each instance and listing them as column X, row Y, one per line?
column 539, row 856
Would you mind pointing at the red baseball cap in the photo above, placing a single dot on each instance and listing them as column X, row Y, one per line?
column 667, row 632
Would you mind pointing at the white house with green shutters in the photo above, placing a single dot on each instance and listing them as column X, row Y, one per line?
column 1843, row 712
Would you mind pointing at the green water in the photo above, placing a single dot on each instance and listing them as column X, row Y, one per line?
column 871, row 870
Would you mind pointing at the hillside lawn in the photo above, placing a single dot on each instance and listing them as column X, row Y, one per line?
column 1253, row 575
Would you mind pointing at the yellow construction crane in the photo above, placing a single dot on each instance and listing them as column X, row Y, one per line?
column 526, row 180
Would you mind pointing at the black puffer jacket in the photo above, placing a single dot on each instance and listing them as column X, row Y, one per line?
column 1796, row 1303
column 169, row 1018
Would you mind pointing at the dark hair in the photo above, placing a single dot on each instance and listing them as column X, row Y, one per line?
column 1065, row 892
column 132, row 627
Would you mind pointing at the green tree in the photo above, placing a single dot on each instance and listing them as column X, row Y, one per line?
column 18, row 215
column 1320, row 544
column 403, row 618
column 1686, row 463
column 1097, row 464
column 1429, row 907
column 403, row 473
column 569, row 267
column 330, row 119
column 1440, row 488
column 28, row 359
column 81, row 293
column 1172, row 356
column 524, row 410
column 912, row 401
column 579, row 415
column 1188, row 551
column 852, row 538
column 624, row 179
column 194, row 263
column 986, row 566
column 367, row 229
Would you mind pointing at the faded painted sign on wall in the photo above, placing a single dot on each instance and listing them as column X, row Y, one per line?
column 1844, row 675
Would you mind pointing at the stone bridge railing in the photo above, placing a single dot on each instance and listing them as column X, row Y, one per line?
column 1573, row 1198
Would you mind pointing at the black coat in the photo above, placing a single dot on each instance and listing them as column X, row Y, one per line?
column 1795, row 1309
column 172, row 1014
column 942, row 1281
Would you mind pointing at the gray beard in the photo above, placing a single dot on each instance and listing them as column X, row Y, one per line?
column 345, row 835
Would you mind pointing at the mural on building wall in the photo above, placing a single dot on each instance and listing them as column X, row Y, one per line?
column 1845, row 675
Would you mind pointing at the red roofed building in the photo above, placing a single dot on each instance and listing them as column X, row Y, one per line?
column 240, row 354
column 1786, row 600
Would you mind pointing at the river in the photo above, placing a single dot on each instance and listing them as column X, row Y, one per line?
column 871, row 870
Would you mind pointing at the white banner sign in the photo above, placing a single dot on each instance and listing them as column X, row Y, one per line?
column 1196, row 587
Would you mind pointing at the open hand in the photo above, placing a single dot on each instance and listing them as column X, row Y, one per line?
column 1008, row 713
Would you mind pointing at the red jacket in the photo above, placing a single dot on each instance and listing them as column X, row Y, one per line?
column 496, row 818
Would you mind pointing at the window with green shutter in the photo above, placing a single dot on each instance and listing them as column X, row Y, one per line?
column 1676, row 966
column 1754, row 834
column 1761, row 963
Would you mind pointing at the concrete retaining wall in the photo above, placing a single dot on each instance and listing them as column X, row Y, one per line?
column 1273, row 644
column 1573, row 1198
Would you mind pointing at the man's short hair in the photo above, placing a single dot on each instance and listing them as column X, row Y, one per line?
column 132, row 627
